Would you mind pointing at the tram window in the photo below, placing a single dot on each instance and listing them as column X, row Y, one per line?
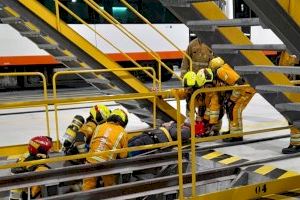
column 153, row 10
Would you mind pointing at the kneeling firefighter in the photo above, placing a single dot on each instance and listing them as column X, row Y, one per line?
column 108, row 136
column 38, row 148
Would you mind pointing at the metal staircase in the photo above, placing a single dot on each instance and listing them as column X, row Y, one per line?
column 38, row 24
column 211, row 25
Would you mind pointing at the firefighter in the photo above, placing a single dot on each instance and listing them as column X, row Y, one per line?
column 191, row 83
column 108, row 136
column 166, row 133
column 78, row 134
column 294, row 146
column 200, row 54
column 237, row 100
column 213, row 112
column 38, row 148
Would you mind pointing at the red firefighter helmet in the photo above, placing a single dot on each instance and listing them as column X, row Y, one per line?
column 199, row 128
column 39, row 144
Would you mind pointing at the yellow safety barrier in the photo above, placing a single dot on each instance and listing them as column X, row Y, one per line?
column 57, row 74
column 45, row 93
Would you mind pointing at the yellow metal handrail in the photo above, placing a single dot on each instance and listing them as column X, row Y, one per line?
column 85, row 155
column 192, row 120
column 118, row 25
column 158, row 31
column 45, row 93
column 99, row 71
column 129, row 149
column 59, row 4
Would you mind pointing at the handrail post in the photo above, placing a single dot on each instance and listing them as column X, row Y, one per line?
column 57, row 15
column 193, row 143
column 55, row 109
column 45, row 91
column 179, row 148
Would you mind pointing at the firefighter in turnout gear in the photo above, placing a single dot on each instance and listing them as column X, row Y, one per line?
column 191, row 84
column 237, row 100
column 212, row 117
column 200, row 54
column 108, row 136
column 38, row 148
column 79, row 134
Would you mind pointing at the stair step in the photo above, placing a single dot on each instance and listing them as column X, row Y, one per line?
column 30, row 34
column 229, row 48
column 296, row 123
column 70, row 69
column 10, row 20
column 112, row 91
column 288, row 107
column 141, row 112
column 65, row 58
column 182, row 3
column 97, row 80
column 200, row 25
column 129, row 103
column 147, row 120
column 264, row 68
column 47, row 46
column 278, row 88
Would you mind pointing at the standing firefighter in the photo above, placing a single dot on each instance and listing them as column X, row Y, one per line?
column 235, row 101
column 108, row 136
column 200, row 54
column 38, row 148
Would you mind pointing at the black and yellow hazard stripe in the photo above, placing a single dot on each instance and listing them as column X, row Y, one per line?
column 290, row 195
column 271, row 171
column 221, row 158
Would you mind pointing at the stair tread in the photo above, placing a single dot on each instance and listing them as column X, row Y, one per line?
column 229, row 22
column 276, row 47
column 66, row 58
column 278, row 88
column 288, row 106
column 264, row 68
column 97, row 80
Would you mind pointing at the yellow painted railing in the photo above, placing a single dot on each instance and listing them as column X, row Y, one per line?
column 45, row 93
column 158, row 31
column 118, row 25
column 57, row 74
column 58, row 4
column 178, row 143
